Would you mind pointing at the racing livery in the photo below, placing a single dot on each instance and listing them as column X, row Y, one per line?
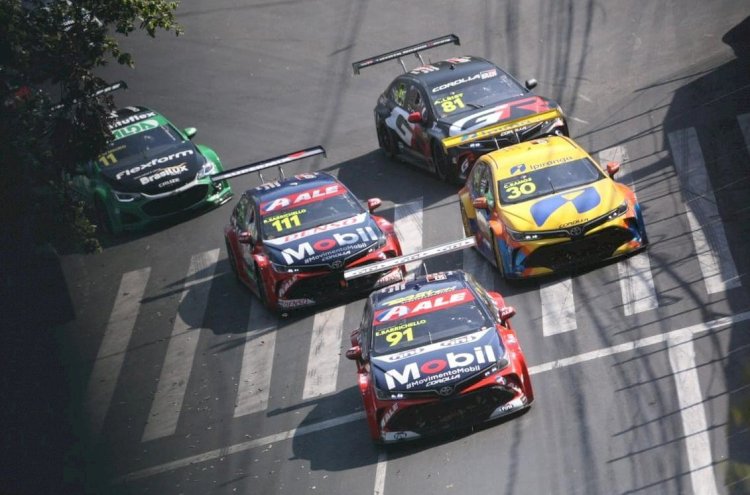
column 444, row 115
column 290, row 241
column 151, row 170
column 437, row 353
column 546, row 205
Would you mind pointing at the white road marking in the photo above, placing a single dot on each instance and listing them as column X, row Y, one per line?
column 325, row 353
column 558, row 307
column 636, row 281
column 744, row 121
column 109, row 359
column 637, row 285
column 579, row 120
column 380, row 471
column 712, row 249
column 257, row 362
column 408, row 226
column 178, row 362
column 694, row 424
column 711, row 326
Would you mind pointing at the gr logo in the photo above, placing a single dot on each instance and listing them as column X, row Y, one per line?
column 517, row 169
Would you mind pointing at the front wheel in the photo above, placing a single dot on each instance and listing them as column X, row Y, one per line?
column 387, row 140
column 440, row 159
column 496, row 252
column 262, row 294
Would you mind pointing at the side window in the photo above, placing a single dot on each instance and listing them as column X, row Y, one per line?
column 486, row 181
column 239, row 212
column 250, row 220
column 414, row 100
column 365, row 330
column 477, row 174
column 398, row 92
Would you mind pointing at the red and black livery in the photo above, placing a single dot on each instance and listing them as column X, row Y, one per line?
column 443, row 115
column 291, row 239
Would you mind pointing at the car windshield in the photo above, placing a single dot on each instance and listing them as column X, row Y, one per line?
column 138, row 145
column 300, row 215
column 426, row 317
column 490, row 86
column 547, row 180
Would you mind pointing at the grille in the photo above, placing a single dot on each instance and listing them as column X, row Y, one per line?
column 178, row 202
column 588, row 249
column 328, row 286
column 437, row 416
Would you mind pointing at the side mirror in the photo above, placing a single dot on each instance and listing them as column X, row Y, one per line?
column 530, row 83
column 354, row 337
column 415, row 118
column 506, row 313
column 373, row 204
column 613, row 168
column 354, row 353
column 245, row 238
column 190, row 132
column 480, row 203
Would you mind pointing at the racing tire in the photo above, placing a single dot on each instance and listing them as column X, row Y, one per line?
column 387, row 140
column 102, row 218
column 232, row 260
column 498, row 258
column 262, row 295
column 443, row 168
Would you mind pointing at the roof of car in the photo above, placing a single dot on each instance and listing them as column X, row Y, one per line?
column 449, row 71
column 533, row 153
column 299, row 182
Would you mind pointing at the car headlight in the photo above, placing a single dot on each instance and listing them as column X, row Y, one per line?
column 523, row 236
column 618, row 212
column 125, row 197
column 285, row 268
column 207, row 169
column 385, row 395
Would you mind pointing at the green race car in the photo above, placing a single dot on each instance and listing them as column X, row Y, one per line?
column 150, row 171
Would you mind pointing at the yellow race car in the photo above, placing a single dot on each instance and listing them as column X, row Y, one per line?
column 545, row 205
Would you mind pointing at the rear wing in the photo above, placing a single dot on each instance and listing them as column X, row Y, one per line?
column 449, row 247
column 499, row 129
column 271, row 162
column 98, row 92
column 407, row 50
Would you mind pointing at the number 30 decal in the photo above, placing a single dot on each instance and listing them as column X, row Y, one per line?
column 521, row 190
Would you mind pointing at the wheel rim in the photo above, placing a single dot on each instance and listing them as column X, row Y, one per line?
column 441, row 165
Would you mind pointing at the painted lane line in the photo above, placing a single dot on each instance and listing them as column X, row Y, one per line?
column 257, row 362
column 325, row 353
column 558, row 307
column 713, row 325
column 240, row 447
column 109, row 359
column 178, row 362
column 744, row 121
column 408, row 226
column 714, row 257
column 693, row 414
column 380, row 471
column 637, row 284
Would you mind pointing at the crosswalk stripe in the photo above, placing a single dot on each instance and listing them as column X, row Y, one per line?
column 636, row 281
column 715, row 259
column 692, row 411
column 178, row 362
column 325, row 353
column 558, row 307
column 257, row 362
column 744, row 121
column 408, row 227
column 109, row 359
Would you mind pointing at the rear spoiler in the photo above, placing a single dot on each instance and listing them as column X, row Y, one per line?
column 271, row 162
column 498, row 129
column 449, row 247
column 397, row 54
column 98, row 92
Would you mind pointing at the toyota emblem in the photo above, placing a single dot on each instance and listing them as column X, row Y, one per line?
column 576, row 231
column 337, row 264
column 445, row 391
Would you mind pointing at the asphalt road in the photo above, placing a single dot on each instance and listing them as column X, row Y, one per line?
column 640, row 367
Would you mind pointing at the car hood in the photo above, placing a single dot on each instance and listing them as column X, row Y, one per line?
column 440, row 366
column 565, row 209
column 331, row 245
column 496, row 113
column 156, row 173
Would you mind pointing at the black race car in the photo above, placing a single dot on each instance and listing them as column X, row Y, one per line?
column 444, row 115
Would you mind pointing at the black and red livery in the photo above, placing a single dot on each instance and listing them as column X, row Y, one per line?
column 443, row 115
column 437, row 353
column 290, row 241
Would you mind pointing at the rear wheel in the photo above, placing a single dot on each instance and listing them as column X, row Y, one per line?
column 442, row 164
column 262, row 294
column 387, row 140
column 232, row 260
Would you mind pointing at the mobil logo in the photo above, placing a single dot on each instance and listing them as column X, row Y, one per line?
column 301, row 198
column 451, row 363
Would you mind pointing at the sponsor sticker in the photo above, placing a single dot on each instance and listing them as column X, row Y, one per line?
column 165, row 172
column 301, row 198
column 423, row 306
column 131, row 129
column 439, row 370
column 156, row 161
